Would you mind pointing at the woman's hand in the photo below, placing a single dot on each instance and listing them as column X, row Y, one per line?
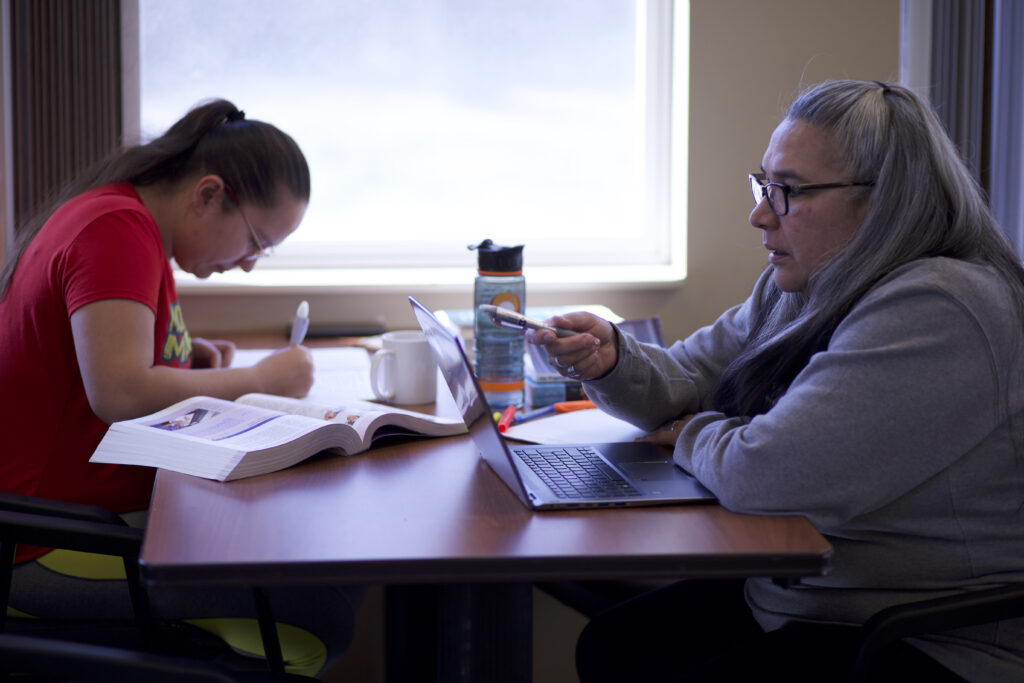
column 667, row 434
column 288, row 372
column 212, row 353
column 589, row 354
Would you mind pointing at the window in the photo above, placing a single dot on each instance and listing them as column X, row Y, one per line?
column 433, row 124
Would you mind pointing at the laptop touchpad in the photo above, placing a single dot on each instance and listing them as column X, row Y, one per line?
column 649, row 471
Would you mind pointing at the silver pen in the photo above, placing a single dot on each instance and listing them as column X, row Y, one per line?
column 300, row 324
column 502, row 317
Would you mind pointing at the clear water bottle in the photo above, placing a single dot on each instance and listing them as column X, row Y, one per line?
column 498, row 351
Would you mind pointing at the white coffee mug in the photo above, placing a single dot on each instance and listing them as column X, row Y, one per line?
column 404, row 371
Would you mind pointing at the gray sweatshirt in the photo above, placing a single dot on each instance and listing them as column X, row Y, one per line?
column 902, row 443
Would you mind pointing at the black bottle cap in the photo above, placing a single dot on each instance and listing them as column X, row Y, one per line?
column 494, row 258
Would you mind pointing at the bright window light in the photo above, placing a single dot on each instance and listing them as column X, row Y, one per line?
column 432, row 124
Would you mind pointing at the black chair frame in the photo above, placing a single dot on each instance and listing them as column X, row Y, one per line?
column 936, row 615
column 48, row 523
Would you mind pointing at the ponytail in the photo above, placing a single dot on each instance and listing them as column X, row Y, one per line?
column 255, row 158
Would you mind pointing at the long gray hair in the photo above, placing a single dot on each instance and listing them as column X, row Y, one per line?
column 924, row 203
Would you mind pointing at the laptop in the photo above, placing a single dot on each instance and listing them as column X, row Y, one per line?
column 552, row 477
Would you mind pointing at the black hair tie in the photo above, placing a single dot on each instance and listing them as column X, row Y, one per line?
column 884, row 86
column 236, row 115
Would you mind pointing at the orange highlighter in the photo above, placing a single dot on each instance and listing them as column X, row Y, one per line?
column 569, row 406
column 560, row 407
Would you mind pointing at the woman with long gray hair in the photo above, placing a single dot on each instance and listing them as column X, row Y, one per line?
column 873, row 382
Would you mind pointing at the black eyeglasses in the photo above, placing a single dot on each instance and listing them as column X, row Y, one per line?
column 778, row 194
column 261, row 251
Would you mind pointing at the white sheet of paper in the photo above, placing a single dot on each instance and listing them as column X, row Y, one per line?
column 578, row 426
column 337, row 371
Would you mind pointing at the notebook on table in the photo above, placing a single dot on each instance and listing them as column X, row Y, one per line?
column 548, row 477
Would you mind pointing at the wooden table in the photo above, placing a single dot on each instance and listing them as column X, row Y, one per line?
column 430, row 518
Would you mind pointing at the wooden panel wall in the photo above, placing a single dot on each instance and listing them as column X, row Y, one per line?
column 65, row 93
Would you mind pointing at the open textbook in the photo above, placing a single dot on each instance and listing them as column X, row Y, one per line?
column 257, row 433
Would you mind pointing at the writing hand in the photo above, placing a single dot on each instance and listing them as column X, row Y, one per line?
column 288, row 372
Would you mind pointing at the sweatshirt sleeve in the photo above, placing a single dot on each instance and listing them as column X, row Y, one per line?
column 907, row 384
column 650, row 385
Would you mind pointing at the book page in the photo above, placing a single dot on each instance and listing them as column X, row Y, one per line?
column 357, row 414
column 236, row 425
column 362, row 416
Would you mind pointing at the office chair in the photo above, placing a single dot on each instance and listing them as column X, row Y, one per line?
column 56, row 524
column 933, row 616
column 61, row 660
column 883, row 629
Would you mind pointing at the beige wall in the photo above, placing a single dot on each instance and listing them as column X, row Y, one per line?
column 748, row 60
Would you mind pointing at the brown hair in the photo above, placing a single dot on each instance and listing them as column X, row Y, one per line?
column 255, row 158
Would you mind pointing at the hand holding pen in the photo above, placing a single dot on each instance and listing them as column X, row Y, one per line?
column 590, row 352
column 504, row 317
column 289, row 371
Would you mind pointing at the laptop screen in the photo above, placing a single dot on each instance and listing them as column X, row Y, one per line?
column 457, row 372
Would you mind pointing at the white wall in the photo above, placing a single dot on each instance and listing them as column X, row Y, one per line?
column 748, row 60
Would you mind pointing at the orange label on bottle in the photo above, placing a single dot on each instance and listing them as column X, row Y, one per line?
column 507, row 298
column 501, row 387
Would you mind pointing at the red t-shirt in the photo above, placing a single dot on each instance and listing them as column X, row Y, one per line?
column 103, row 244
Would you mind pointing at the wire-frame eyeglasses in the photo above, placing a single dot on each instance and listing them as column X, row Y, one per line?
column 260, row 251
column 778, row 194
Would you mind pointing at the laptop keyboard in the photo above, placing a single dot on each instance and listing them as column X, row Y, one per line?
column 575, row 472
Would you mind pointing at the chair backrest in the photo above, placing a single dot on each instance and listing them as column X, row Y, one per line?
column 981, row 606
column 41, row 522
column 16, row 502
column 50, row 523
